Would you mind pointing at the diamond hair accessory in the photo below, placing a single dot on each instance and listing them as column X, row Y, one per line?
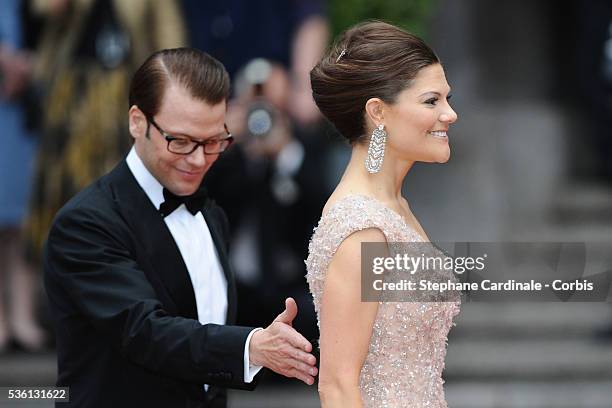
column 376, row 150
column 342, row 54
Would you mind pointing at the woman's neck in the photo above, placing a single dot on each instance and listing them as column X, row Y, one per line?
column 386, row 185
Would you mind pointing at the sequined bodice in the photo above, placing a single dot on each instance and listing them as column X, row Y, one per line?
column 404, row 364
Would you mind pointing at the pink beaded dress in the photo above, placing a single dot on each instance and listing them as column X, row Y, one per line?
column 404, row 364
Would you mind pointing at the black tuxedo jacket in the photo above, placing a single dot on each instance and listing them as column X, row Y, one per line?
column 125, row 310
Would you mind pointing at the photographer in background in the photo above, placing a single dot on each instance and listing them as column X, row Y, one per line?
column 282, row 160
column 277, row 165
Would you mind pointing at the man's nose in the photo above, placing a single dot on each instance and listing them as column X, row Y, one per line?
column 197, row 158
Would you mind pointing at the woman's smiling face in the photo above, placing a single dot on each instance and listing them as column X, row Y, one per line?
column 418, row 121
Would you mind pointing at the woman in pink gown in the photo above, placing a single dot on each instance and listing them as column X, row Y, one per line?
column 385, row 91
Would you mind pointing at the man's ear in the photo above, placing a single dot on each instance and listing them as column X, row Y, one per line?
column 137, row 122
column 374, row 112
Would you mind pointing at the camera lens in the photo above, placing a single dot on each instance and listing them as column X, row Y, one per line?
column 259, row 121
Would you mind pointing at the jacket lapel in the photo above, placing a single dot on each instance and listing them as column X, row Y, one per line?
column 156, row 247
column 214, row 216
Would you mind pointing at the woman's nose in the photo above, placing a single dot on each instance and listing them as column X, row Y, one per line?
column 449, row 116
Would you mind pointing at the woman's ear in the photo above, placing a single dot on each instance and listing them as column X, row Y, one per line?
column 374, row 112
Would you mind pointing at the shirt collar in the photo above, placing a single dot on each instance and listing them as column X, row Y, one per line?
column 145, row 179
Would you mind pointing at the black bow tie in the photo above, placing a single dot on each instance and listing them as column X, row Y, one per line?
column 194, row 202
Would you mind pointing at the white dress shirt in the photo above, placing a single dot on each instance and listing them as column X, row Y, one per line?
column 192, row 236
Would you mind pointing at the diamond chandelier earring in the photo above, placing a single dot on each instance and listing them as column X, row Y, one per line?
column 376, row 150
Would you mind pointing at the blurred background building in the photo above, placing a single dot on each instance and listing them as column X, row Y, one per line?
column 531, row 161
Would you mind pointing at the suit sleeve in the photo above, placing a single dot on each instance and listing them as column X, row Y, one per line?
column 85, row 256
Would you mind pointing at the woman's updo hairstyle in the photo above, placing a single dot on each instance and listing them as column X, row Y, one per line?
column 369, row 60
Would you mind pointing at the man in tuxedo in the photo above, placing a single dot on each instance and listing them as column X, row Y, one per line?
column 136, row 265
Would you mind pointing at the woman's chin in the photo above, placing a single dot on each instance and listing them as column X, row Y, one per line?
column 444, row 160
column 442, row 156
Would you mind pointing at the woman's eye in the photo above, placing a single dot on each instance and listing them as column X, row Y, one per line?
column 431, row 101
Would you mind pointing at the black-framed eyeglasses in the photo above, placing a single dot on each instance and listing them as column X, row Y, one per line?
column 185, row 145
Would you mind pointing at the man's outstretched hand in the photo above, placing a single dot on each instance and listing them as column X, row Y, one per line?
column 282, row 349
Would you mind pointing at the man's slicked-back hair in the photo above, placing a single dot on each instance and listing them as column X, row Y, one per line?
column 201, row 75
